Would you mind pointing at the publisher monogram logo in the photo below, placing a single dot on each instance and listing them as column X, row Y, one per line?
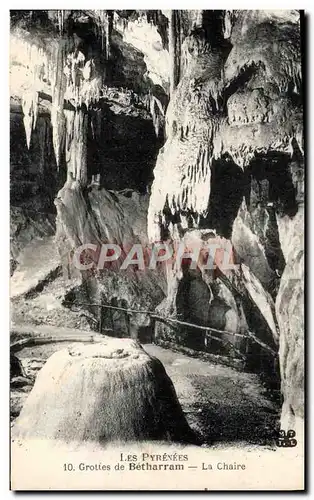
column 286, row 440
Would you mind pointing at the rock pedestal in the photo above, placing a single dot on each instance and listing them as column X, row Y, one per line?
column 109, row 391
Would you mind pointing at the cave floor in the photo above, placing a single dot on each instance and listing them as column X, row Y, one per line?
column 224, row 406
column 221, row 404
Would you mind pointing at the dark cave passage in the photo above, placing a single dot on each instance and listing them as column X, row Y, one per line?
column 121, row 154
column 124, row 152
column 227, row 190
column 273, row 180
column 270, row 192
column 34, row 177
column 192, row 303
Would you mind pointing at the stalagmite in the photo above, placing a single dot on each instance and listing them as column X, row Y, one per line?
column 80, row 145
column 108, row 391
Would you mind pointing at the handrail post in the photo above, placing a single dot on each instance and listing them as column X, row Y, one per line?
column 100, row 318
column 153, row 327
column 128, row 326
column 208, row 338
column 111, row 319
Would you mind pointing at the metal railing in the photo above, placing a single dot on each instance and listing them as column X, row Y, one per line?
column 210, row 332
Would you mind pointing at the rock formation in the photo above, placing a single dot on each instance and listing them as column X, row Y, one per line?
column 236, row 112
column 108, row 391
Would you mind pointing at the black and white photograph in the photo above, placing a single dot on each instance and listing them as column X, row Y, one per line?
column 157, row 192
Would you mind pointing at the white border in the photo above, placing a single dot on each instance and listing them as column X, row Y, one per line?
column 4, row 198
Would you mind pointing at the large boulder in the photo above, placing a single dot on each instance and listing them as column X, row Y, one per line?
column 103, row 392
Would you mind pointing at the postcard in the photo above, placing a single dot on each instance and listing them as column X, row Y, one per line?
column 157, row 250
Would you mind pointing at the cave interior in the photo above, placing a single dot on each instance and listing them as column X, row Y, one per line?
column 127, row 124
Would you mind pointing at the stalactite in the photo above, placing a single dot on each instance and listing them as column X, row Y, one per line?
column 109, row 33
column 227, row 23
column 174, row 49
column 76, row 144
column 61, row 21
column 57, row 114
column 96, row 124
column 43, row 139
column 181, row 193
column 83, row 85
column 106, row 26
column 34, row 59
column 30, row 110
column 102, row 16
column 89, row 91
column 74, row 66
column 69, row 134
column 157, row 113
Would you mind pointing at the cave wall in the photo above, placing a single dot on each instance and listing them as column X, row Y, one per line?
column 238, row 101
